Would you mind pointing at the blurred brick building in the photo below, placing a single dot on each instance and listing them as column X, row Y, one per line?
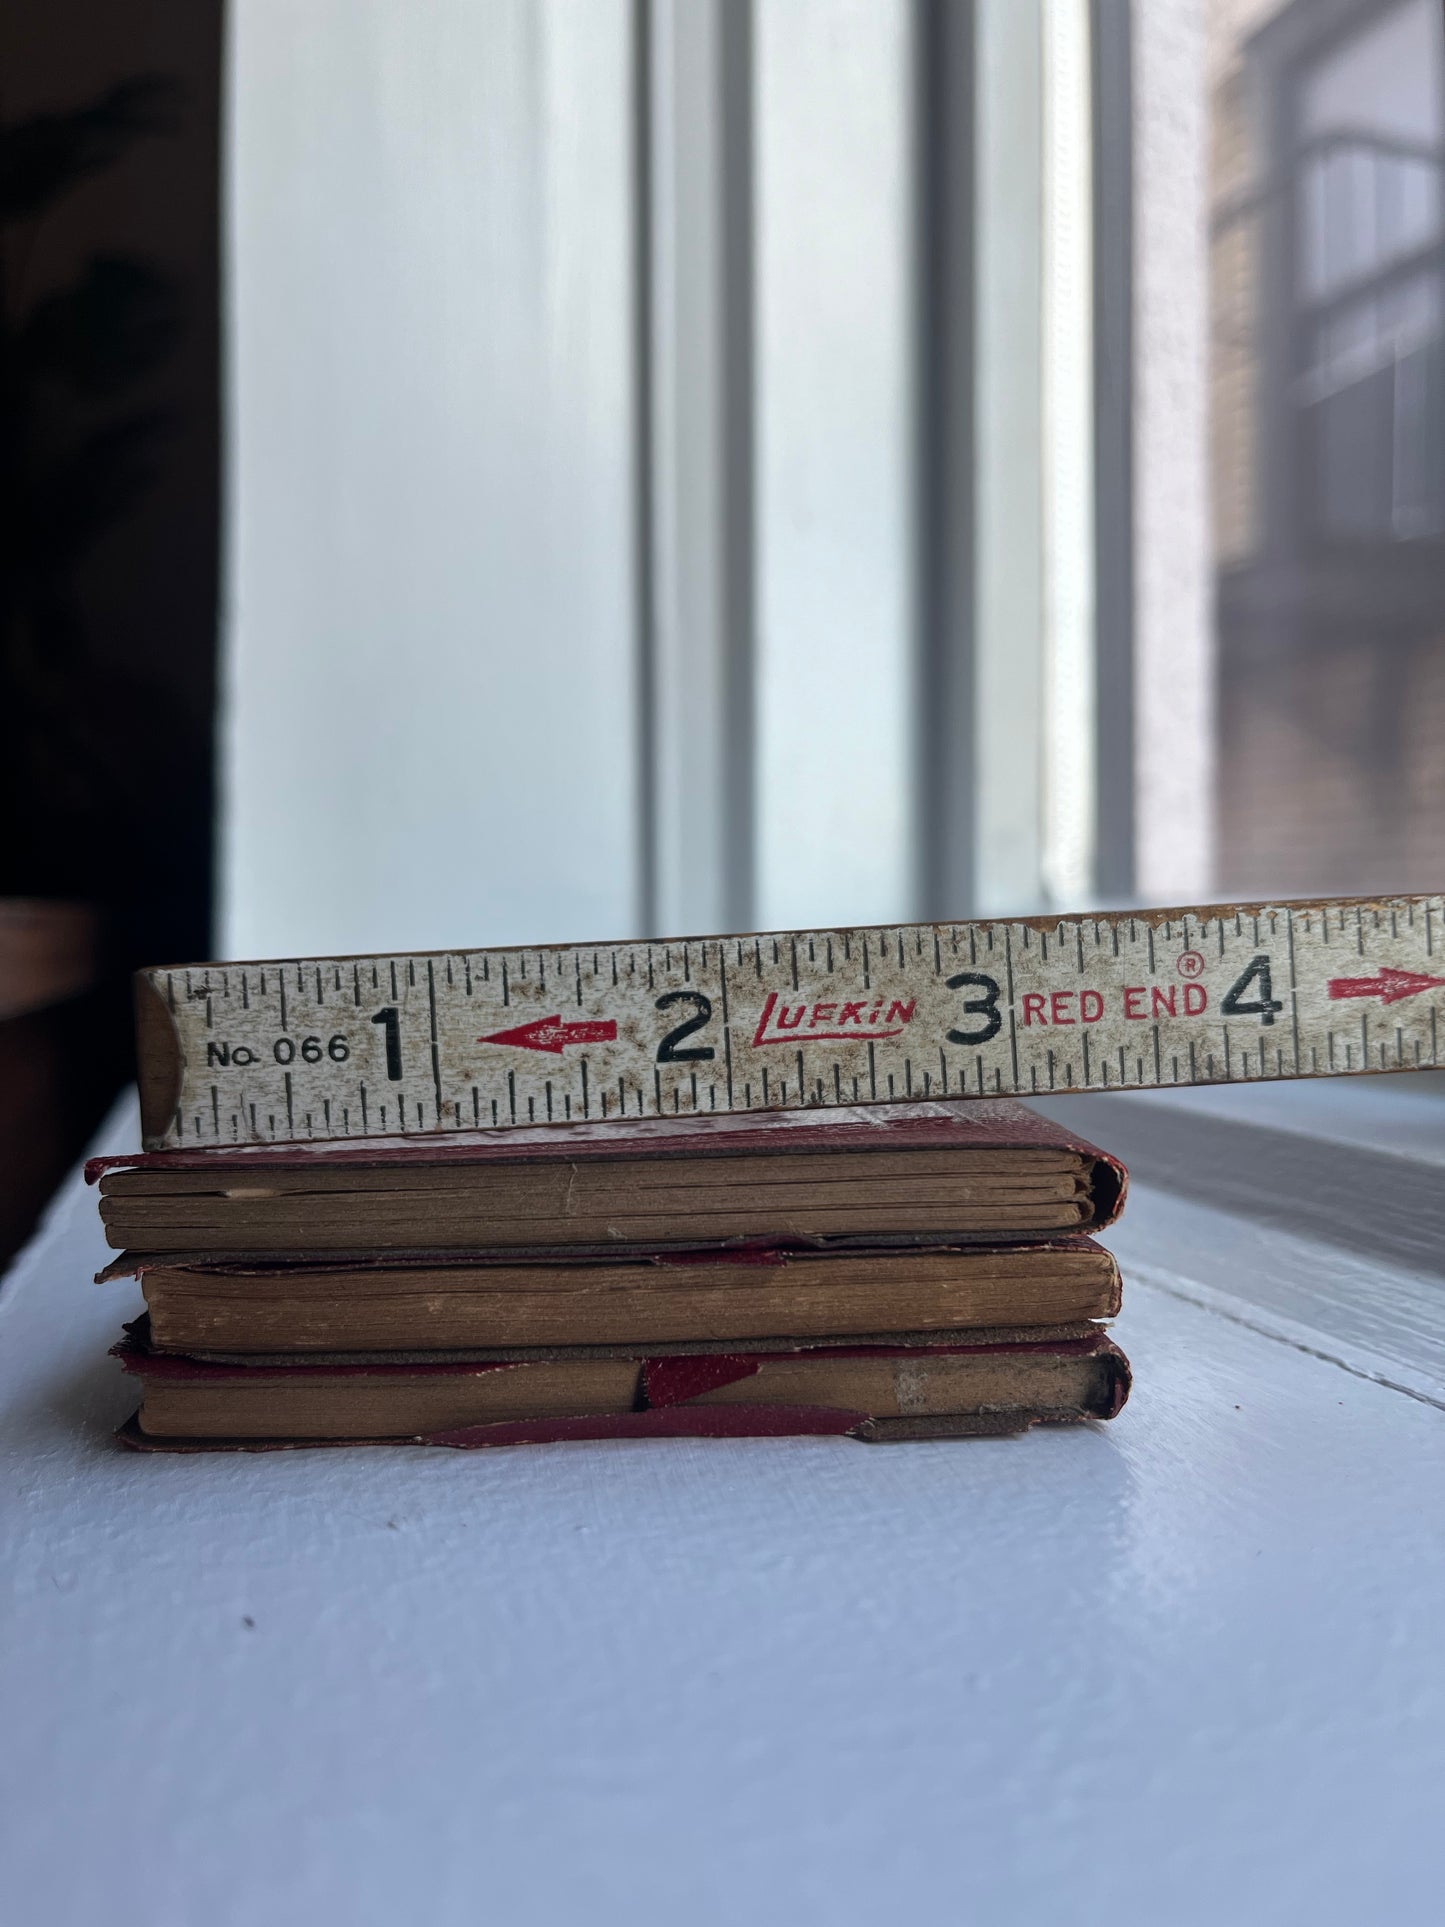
column 1328, row 442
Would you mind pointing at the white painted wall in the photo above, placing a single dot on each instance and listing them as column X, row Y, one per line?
column 433, row 637
column 1034, row 528
column 835, row 764
column 429, row 727
column 1174, row 735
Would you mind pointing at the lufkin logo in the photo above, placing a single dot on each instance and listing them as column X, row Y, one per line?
column 783, row 1023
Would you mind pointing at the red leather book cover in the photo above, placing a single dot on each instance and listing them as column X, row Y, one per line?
column 668, row 1383
column 966, row 1124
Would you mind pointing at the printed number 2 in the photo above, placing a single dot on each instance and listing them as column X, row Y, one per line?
column 985, row 1007
column 667, row 1051
column 1264, row 1006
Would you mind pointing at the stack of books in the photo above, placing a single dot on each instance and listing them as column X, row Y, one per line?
column 910, row 1271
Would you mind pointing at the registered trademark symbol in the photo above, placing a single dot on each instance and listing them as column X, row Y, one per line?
column 1190, row 964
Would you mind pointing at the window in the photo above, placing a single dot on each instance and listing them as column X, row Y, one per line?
column 1327, row 400
column 756, row 464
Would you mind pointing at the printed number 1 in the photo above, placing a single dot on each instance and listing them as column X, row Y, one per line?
column 391, row 1019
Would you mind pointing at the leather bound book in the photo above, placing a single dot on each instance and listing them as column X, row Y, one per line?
column 466, row 1305
column 911, row 1174
column 947, row 1388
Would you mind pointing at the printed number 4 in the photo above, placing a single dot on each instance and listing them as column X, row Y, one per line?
column 1265, row 1005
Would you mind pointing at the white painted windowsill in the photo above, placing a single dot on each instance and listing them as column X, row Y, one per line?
column 1184, row 1668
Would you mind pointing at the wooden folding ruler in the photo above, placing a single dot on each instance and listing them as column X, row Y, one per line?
column 465, row 1040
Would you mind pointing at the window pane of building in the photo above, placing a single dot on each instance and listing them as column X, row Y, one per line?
column 1328, row 442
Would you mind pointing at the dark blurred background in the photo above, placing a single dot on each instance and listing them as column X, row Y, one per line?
column 109, row 536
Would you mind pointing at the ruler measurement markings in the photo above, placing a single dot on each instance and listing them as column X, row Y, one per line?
column 1013, row 1037
column 1060, row 981
column 436, row 1062
column 1293, row 985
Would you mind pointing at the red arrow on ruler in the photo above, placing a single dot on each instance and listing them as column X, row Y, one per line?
column 1390, row 986
column 551, row 1034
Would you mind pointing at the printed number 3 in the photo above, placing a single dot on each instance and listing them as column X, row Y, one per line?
column 985, row 1007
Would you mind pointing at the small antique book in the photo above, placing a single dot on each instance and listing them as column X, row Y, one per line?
column 456, row 1303
column 912, row 1174
column 944, row 1388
